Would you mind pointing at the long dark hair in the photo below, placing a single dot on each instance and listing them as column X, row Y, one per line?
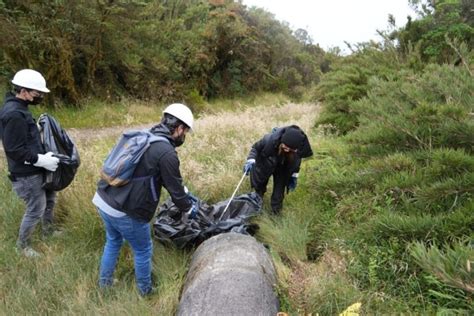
column 171, row 122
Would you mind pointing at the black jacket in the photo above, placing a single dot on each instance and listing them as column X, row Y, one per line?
column 20, row 136
column 265, row 153
column 139, row 198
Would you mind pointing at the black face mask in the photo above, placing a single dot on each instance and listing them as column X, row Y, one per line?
column 180, row 140
column 36, row 100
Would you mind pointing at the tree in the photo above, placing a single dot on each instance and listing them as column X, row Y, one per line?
column 439, row 22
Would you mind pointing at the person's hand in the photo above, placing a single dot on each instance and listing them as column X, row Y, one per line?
column 47, row 161
column 293, row 182
column 192, row 197
column 249, row 165
column 193, row 211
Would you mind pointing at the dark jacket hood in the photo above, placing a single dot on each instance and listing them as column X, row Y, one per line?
column 9, row 97
column 273, row 140
column 164, row 131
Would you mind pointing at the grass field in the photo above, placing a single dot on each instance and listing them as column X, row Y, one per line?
column 64, row 280
column 387, row 231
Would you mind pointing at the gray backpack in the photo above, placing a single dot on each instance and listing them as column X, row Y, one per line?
column 122, row 160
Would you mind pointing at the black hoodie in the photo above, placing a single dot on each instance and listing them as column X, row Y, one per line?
column 265, row 152
column 139, row 199
column 20, row 136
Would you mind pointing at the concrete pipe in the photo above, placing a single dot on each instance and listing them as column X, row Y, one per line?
column 230, row 274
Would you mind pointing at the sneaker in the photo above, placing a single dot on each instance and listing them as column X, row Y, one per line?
column 29, row 252
column 52, row 233
column 107, row 284
column 57, row 233
column 152, row 291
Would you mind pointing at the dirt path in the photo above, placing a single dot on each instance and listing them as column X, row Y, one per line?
column 90, row 134
column 81, row 135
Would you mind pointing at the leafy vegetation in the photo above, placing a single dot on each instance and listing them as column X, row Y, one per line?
column 348, row 82
column 64, row 280
column 99, row 114
column 166, row 51
column 440, row 23
column 443, row 33
column 383, row 214
column 395, row 192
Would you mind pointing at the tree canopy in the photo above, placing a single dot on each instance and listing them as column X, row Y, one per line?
column 158, row 50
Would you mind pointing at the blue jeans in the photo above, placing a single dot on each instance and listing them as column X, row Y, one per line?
column 39, row 206
column 137, row 233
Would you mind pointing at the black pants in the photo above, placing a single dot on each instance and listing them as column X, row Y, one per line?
column 281, row 177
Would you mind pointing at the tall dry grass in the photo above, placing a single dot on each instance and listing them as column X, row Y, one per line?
column 64, row 280
column 213, row 157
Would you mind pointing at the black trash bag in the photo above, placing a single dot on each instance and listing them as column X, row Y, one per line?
column 56, row 140
column 174, row 227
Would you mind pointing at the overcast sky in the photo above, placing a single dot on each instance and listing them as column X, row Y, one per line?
column 331, row 22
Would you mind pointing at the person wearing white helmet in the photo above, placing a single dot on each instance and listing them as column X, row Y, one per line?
column 180, row 119
column 127, row 210
column 26, row 157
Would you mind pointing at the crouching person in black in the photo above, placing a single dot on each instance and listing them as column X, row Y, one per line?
column 127, row 210
column 277, row 154
column 27, row 159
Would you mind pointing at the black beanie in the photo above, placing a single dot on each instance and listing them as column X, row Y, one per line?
column 292, row 138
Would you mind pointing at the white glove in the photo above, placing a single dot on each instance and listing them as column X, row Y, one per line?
column 47, row 161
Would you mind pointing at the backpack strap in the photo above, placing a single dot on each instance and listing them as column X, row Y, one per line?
column 152, row 139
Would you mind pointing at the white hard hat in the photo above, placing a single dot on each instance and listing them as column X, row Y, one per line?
column 181, row 112
column 30, row 79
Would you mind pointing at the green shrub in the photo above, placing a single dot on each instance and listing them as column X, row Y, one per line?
column 446, row 162
column 195, row 101
column 444, row 196
column 418, row 112
column 372, row 205
column 451, row 265
column 287, row 236
column 296, row 93
column 449, row 272
column 348, row 82
column 423, row 227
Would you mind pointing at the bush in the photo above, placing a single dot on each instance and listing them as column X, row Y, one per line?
column 418, row 112
column 348, row 82
column 376, row 194
column 421, row 227
column 449, row 270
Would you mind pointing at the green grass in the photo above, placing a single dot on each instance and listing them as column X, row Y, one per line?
column 346, row 235
column 64, row 279
column 97, row 114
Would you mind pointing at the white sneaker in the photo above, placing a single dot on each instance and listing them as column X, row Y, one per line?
column 57, row 233
column 30, row 253
column 53, row 234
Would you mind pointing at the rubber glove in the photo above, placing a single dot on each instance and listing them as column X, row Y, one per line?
column 193, row 211
column 191, row 196
column 47, row 161
column 293, row 182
